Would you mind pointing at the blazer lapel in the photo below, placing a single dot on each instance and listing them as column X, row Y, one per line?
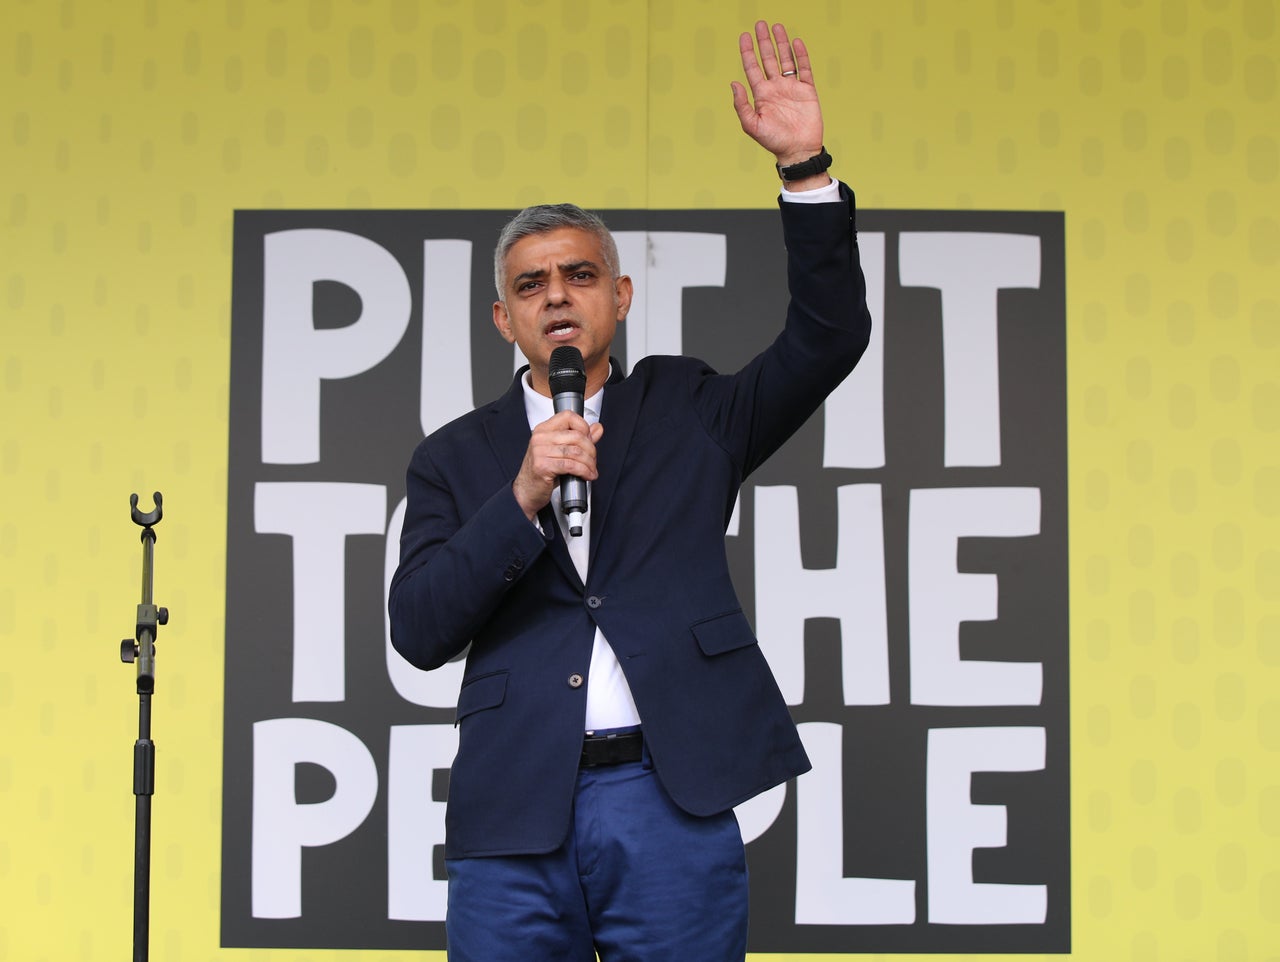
column 618, row 412
column 507, row 428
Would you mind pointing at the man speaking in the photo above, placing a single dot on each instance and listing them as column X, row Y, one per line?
column 615, row 704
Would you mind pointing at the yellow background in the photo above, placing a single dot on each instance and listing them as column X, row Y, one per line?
column 130, row 132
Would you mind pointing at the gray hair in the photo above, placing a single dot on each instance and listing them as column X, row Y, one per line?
column 543, row 219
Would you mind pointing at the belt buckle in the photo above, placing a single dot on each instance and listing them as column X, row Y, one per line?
column 599, row 750
column 612, row 752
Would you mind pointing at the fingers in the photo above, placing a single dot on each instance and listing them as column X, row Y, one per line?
column 750, row 65
column 786, row 58
column 561, row 445
column 564, row 444
column 776, row 57
column 742, row 105
column 768, row 58
column 804, row 70
column 778, row 108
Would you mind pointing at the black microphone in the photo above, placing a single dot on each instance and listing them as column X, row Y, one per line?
column 567, row 376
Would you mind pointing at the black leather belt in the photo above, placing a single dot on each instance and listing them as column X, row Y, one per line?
column 611, row 749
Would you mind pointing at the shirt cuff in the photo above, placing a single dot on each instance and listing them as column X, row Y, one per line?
column 826, row 194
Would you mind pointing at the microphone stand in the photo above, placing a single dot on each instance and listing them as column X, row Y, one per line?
column 141, row 649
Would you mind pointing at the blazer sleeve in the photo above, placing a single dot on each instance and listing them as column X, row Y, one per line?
column 453, row 574
column 827, row 329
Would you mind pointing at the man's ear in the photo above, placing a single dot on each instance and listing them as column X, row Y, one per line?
column 623, row 291
column 502, row 322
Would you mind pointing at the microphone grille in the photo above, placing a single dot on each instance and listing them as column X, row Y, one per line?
column 567, row 373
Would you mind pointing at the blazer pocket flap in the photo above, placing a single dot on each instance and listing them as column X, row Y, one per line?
column 487, row 691
column 724, row 633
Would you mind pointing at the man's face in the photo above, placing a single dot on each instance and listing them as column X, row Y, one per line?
column 558, row 291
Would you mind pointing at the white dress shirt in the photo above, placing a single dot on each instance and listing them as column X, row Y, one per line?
column 609, row 701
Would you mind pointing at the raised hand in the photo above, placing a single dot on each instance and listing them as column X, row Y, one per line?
column 782, row 113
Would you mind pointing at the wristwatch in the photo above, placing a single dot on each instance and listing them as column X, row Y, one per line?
column 806, row 168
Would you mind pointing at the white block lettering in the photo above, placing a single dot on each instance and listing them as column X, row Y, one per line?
column 823, row 895
column 281, row 826
column 853, row 591
column 319, row 516
column 661, row 265
column 446, row 333
column 941, row 597
column 956, row 826
column 970, row 269
column 415, row 822
column 296, row 356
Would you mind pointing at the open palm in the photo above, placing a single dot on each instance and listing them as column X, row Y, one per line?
column 782, row 113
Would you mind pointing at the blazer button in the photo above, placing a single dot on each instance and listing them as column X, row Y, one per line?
column 594, row 601
column 575, row 680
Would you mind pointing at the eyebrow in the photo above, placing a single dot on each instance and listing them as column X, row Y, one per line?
column 568, row 268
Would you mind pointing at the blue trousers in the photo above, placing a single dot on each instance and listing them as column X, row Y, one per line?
column 637, row 880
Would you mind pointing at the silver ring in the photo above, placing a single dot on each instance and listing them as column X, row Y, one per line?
column 788, row 73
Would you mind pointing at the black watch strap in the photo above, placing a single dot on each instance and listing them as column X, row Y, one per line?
column 816, row 164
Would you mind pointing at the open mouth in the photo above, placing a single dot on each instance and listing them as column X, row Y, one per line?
column 561, row 329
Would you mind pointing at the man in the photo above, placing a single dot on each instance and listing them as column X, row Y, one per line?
column 615, row 704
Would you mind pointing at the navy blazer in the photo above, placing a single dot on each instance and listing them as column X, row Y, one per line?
column 679, row 439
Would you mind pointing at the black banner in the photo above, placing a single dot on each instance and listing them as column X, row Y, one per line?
column 903, row 557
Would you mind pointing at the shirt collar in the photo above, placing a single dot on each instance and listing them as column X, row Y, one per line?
column 539, row 408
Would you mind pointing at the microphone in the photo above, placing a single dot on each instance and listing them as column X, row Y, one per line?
column 567, row 376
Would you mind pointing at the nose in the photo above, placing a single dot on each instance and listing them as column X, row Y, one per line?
column 557, row 290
